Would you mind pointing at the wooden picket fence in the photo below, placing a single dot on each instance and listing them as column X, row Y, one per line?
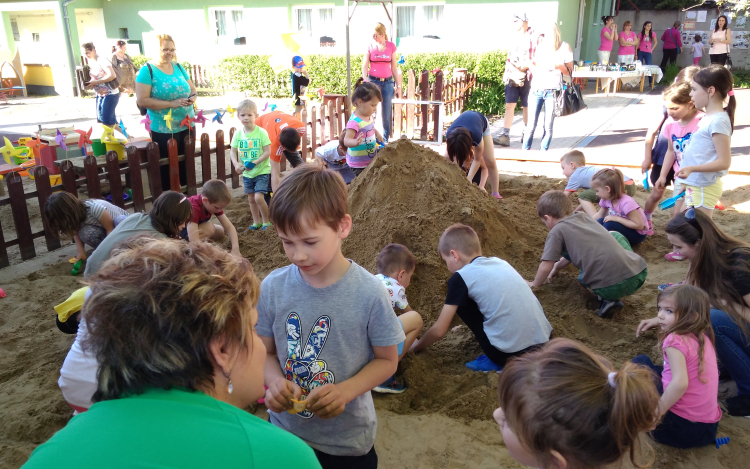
column 138, row 159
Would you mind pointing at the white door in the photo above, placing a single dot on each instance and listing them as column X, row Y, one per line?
column 579, row 34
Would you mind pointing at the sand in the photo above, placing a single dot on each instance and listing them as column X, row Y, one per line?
column 408, row 195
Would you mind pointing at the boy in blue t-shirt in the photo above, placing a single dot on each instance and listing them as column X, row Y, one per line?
column 327, row 325
column 251, row 148
column 579, row 177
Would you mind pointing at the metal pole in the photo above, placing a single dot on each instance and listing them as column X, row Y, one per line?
column 69, row 37
column 348, row 54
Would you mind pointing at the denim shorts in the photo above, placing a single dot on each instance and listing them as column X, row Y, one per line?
column 514, row 93
column 260, row 183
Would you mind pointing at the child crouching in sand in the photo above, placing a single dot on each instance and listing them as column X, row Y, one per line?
column 608, row 265
column 565, row 407
column 396, row 265
column 492, row 300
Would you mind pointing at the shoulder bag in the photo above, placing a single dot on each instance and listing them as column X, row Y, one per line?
column 568, row 99
column 728, row 63
column 671, row 33
column 143, row 110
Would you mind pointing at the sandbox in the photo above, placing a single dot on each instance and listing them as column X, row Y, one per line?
column 408, row 195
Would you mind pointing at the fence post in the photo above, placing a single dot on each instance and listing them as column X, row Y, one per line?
column 221, row 170
column 68, row 177
column 154, row 171
column 313, row 132
column 4, row 261
column 43, row 190
column 424, row 96
column 205, row 158
column 92, row 177
column 235, row 176
column 331, row 120
column 322, row 123
column 20, row 215
column 190, row 164
column 174, row 166
column 136, row 182
column 347, row 107
column 411, row 84
column 303, row 137
column 341, row 123
column 115, row 182
column 437, row 95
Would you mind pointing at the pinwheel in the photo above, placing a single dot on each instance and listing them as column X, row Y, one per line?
column 108, row 135
column 85, row 137
column 264, row 107
column 321, row 92
column 168, row 119
column 122, row 129
column 217, row 117
column 147, row 123
column 37, row 146
column 402, row 60
column 199, row 118
column 187, row 121
column 10, row 152
column 231, row 110
column 60, row 139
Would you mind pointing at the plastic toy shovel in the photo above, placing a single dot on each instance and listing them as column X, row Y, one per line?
column 646, row 184
column 669, row 203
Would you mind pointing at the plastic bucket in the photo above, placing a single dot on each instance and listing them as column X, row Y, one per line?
column 98, row 147
column 118, row 148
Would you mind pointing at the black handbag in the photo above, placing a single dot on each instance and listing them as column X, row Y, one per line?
column 568, row 99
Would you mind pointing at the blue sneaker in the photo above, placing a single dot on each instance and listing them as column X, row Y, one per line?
column 391, row 386
column 483, row 364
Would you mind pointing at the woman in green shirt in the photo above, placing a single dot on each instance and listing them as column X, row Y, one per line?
column 172, row 327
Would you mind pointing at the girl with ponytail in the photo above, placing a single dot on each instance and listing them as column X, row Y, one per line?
column 689, row 379
column 707, row 156
column 564, row 406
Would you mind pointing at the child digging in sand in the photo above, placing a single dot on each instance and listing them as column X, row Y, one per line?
column 327, row 325
column 492, row 300
column 565, row 407
column 579, row 177
column 396, row 265
column 608, row 265
column 211, row 202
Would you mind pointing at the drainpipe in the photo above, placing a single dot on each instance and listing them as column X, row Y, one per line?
column 71, row 61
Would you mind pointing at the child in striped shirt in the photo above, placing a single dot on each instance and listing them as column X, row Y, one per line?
column 361, row 136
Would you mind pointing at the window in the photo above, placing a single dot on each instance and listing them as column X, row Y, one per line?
column 14, row 27
column 317, row 22
column 124, row 33
column 229, row 28
column 419, row 21
column 35, row 37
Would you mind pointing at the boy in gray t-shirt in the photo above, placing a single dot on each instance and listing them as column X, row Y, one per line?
column 327, row 324
column 608, row 265
column 491, row 298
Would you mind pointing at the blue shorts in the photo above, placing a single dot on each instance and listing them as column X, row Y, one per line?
column 260, row 183
column 514, row 93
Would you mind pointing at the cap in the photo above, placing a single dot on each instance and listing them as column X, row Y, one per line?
column 298, row 62
column 521, row 17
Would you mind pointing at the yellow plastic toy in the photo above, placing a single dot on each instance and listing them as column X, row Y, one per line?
column 14, row 155
column 112, row 143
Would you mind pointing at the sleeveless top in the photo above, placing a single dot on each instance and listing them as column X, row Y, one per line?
column 719, row 48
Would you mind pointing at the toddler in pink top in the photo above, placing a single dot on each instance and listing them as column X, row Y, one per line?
column 688, row 406
column 618, row 211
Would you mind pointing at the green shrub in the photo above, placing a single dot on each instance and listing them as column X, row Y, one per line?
column 670, row 74
column 489, row 96
column 741, row 78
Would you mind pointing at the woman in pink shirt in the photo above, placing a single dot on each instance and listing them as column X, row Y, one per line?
column 628, row 43
column 380, row 67
column 646, row 44
column 688, row 408
column 609, row 36
column 671, row 44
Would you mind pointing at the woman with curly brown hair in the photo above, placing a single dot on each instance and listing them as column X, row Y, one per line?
column 172, row 328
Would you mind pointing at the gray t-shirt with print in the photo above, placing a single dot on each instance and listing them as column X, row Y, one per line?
column 326, row 335
column 581, row 178
column 700, row 149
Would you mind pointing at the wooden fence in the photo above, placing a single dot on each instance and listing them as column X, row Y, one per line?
column 137, row 159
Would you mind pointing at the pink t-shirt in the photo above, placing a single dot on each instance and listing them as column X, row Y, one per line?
column 679, row 135
column 699, row 403
column 627, row 50
column 624, row 205
column 606, row 43
column 380, row 62
column 647, row 42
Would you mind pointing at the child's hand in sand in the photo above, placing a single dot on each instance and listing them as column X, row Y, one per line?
column 326, row 401
column 645, row 325
column 280, row 393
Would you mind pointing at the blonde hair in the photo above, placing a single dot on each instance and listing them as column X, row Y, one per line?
column 247, row 104
column 461, row 238
column 574, row 156
column 380, row 29
column 162, row 38
column 612, row 178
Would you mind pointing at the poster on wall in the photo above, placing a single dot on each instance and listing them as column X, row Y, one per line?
column 691, row 15
column 701, row 16
column 740, row 39
column 740, row 22
column 713, row 24
column 688, row 25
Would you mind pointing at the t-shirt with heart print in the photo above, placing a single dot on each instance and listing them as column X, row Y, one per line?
column 326, row 335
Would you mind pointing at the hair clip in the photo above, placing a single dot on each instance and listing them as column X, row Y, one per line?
column 184, row 198
column 731, row 93
column 611, row 379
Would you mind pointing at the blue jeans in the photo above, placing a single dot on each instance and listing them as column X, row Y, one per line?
column 645, row 58
column 674, row 430
column 732, row 349
column 387, row 89
column 630, row 234
column 539, row 99
column 105, row 108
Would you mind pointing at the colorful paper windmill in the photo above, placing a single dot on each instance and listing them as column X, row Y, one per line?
column 122, row 129
column 60, row 139
column 85, row 137
column 231, row 110
column 147, row 123
column 217, row 117
column 108, row 135
column 199, row 118
column 168, row 119
column 187, row 121
column 37, row 146
column 10, row 152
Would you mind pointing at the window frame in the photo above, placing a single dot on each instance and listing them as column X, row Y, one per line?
column 214, row 24
column 316, row 26
column 419, row 19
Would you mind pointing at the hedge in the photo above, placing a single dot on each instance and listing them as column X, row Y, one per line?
column 253, row 74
